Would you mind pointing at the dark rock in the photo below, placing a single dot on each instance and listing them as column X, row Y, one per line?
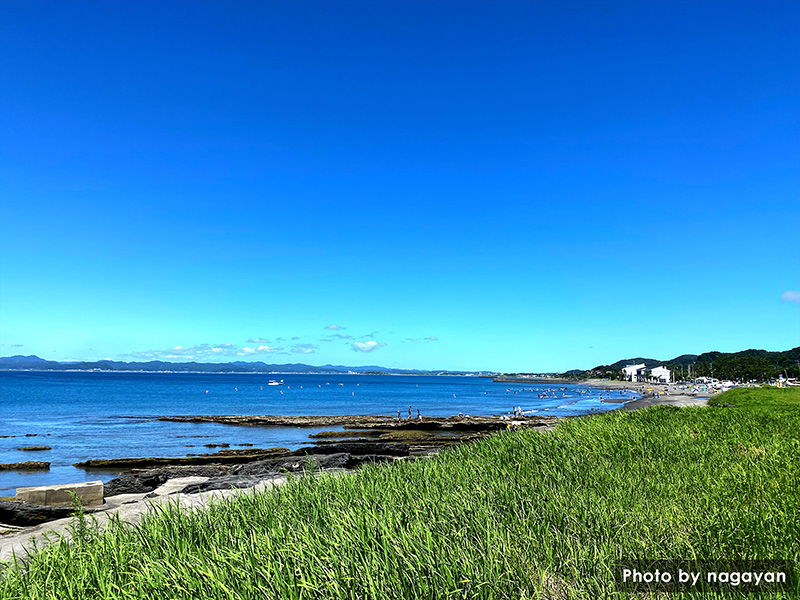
column 24, row 513
column 216, row 445
column 264, row 468
column 31, row 465
column 368, row 422
column 245, row 476
column 358, row 448
column 221, row 457
column 147, row 481
column 229, row 482
column 134, row 484
column 275, row 466
column 34, row 448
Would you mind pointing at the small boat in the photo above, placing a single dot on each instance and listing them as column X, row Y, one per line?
column 273, row 382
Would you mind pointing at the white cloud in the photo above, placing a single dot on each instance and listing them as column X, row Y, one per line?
column 258, row 341
column 791, row 296
column 366, row 346
column 261, row 350
column 304, row 348
column 432, row 339
column 201, row 352
column 334, row 327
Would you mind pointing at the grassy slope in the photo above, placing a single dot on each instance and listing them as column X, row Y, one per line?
column 514, row 516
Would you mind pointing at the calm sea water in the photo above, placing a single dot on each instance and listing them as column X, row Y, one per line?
column 79, row 414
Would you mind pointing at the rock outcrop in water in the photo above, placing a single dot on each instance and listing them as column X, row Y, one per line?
column 223, row 457
column 30, row 465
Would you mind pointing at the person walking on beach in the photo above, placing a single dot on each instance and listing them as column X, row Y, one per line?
column 419, row 416
column 409, row 413
column 398, row 416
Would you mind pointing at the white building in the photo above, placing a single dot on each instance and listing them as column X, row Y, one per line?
column 631, row 372
column 660, row 374
column 643, row 374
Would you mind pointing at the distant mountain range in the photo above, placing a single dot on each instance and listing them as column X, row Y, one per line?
column 759, row 361
column 34, row 363
column 783, row 358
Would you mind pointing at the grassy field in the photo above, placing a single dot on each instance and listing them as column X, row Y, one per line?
column 518, row 515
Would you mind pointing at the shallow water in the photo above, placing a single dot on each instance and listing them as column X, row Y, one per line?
column 80, row 414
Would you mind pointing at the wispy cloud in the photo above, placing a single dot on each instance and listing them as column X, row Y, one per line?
column 366, row 346
column 369, row 335
column 336, row 336
column 297, row 337
column 304, row 349
column 425, row 339
column 202, row 352
column 258, row 341
column 334, row 327
column 791, row 296
column 17, row 345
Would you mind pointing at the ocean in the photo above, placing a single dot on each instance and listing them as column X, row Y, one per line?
column 83, row 415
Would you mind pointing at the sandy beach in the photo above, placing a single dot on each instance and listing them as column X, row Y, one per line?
column 652, row 394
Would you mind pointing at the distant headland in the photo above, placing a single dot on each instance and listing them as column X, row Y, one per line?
column 761, row 365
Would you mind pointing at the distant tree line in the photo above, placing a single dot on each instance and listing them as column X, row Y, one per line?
column 744, row 366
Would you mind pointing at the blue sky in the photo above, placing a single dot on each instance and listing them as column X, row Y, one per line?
column 528, row 186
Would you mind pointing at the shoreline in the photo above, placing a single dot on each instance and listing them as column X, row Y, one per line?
column 381, row 440
column 668, row 394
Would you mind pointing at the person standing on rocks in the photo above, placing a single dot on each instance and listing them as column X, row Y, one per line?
column 409, row 413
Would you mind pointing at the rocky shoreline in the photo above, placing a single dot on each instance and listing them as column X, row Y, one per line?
column 365, row 439
column 362, row 435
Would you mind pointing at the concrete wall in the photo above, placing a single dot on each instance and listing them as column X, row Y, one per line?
column 90, row 493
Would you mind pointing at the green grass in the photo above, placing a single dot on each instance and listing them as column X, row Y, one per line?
column 517, row 515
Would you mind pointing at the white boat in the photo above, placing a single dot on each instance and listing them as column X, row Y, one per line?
column 273, row 382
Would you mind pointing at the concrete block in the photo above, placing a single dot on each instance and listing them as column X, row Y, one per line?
column 90, row 493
